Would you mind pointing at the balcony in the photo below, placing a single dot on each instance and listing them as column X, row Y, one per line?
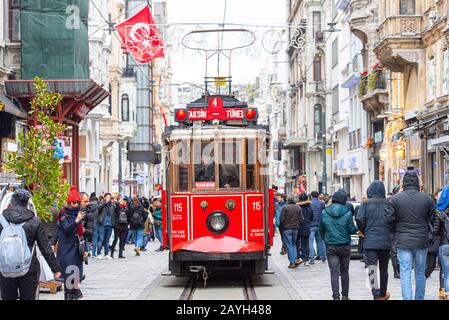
column 400, row 41
column 373, row 93
column 360, row 17
column 351, row 73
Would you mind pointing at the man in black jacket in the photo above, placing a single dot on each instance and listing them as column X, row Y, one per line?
column 290, row 220
column 408, row 215
column 377, row 237
column 106, row 213
column 317, row 208
column 27, row 284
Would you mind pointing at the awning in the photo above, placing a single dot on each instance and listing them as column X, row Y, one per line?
column 6, row 105
column 295, row 142
column 80, row 96
column 441, row 141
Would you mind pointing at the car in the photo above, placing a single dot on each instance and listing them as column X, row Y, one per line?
column 356, row 249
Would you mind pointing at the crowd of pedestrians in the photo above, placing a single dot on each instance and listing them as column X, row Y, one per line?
column 85, row 227
column 408, row 226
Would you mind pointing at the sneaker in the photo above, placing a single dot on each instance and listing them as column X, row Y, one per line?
column 306, row 264
column 292, row 265
column 77, row 294
column 442, row 294
column 298, row 262
column 312, row 261
column 345, row 298
column 385, row 297
column 100, row 257
column 137, row 251
column 108, row 257
column 121, row 257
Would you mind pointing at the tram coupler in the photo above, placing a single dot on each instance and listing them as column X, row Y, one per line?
column 197, row 270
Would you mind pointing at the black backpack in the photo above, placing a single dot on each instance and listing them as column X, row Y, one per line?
column 122, row 217
column 136, row 218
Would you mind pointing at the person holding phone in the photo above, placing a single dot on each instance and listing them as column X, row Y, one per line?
column 69, row 255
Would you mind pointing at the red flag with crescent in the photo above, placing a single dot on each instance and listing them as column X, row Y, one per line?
column 140, row 37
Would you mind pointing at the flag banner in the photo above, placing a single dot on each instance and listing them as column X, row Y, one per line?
column 140, row 37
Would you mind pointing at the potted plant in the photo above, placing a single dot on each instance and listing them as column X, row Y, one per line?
column 362, row 83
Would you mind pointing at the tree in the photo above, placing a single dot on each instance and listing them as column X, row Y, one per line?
column 36, row 162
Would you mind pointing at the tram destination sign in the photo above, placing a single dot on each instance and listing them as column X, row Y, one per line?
column 215, row 110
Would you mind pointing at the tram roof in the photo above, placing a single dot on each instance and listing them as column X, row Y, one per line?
column 212, row 132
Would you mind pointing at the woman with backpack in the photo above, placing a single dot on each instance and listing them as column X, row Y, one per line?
column 441, row 231
column 13, row 286
column 71, row 251
column 120, row 224
column 138, row 215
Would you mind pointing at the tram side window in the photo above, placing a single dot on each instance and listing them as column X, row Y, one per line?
column 204, row 162
column 250, row 164
column 230, row 162
column 183, row 160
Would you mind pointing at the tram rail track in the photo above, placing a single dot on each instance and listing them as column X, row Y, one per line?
column 245, row 283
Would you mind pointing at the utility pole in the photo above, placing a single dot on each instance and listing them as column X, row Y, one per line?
column 323, row 131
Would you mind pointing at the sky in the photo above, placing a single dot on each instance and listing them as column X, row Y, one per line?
column 190, row 67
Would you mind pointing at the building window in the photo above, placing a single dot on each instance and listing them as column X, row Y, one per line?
column 316, row 20
column 431, row 78
column 14, row 20
column 335, row 100
column 125, row 107
column 445, row 71
column 407, row 7
column 317, row 120
column 335, row 52
column 317, row 68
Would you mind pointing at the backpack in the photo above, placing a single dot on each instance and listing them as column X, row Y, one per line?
column 15, row 255
column 122, row 217
column 136, row 218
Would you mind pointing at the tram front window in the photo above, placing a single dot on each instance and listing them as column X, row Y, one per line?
column 205, row 172
column 230, row 163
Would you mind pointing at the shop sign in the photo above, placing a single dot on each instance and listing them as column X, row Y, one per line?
column 353, row 162
column 378, row 137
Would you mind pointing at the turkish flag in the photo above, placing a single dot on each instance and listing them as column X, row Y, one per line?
column 140, row 37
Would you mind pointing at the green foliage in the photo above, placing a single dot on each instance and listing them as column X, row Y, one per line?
column 35, row 162
column 362, row 87
column 372, row 80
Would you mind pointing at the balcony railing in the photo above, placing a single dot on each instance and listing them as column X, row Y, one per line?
column 397, row 26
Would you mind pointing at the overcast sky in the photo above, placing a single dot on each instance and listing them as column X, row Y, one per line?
column 191, row 67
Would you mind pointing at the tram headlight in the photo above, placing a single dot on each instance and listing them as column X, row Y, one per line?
column 217, row 222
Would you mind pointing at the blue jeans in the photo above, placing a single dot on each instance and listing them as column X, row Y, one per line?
column 315, row 235
column 290, row 236
column 129, row 237
column 138, row 237
column 408, row 258
column 443, row 255
column 145, row 241
column 158, row 234
column 105, row 233
column 95, row 240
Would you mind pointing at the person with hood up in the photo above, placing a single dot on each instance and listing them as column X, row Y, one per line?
column 92, row 222
column 302, row 241
column 336, row 227
column 290, row 220
column 71, row 232
column 137, row 217
column 408, row 214
column 25, row 286
column 120, row 223
column 441, row 233
column 377, row 237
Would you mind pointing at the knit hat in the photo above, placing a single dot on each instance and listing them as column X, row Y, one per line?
column 74, row 196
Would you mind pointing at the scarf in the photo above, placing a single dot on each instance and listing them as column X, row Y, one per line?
column 74, row 213
column 443, row 201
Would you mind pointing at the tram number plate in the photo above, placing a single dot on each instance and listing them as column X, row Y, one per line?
column 257, row 206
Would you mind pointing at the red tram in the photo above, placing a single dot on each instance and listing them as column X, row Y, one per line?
column 219, row 208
